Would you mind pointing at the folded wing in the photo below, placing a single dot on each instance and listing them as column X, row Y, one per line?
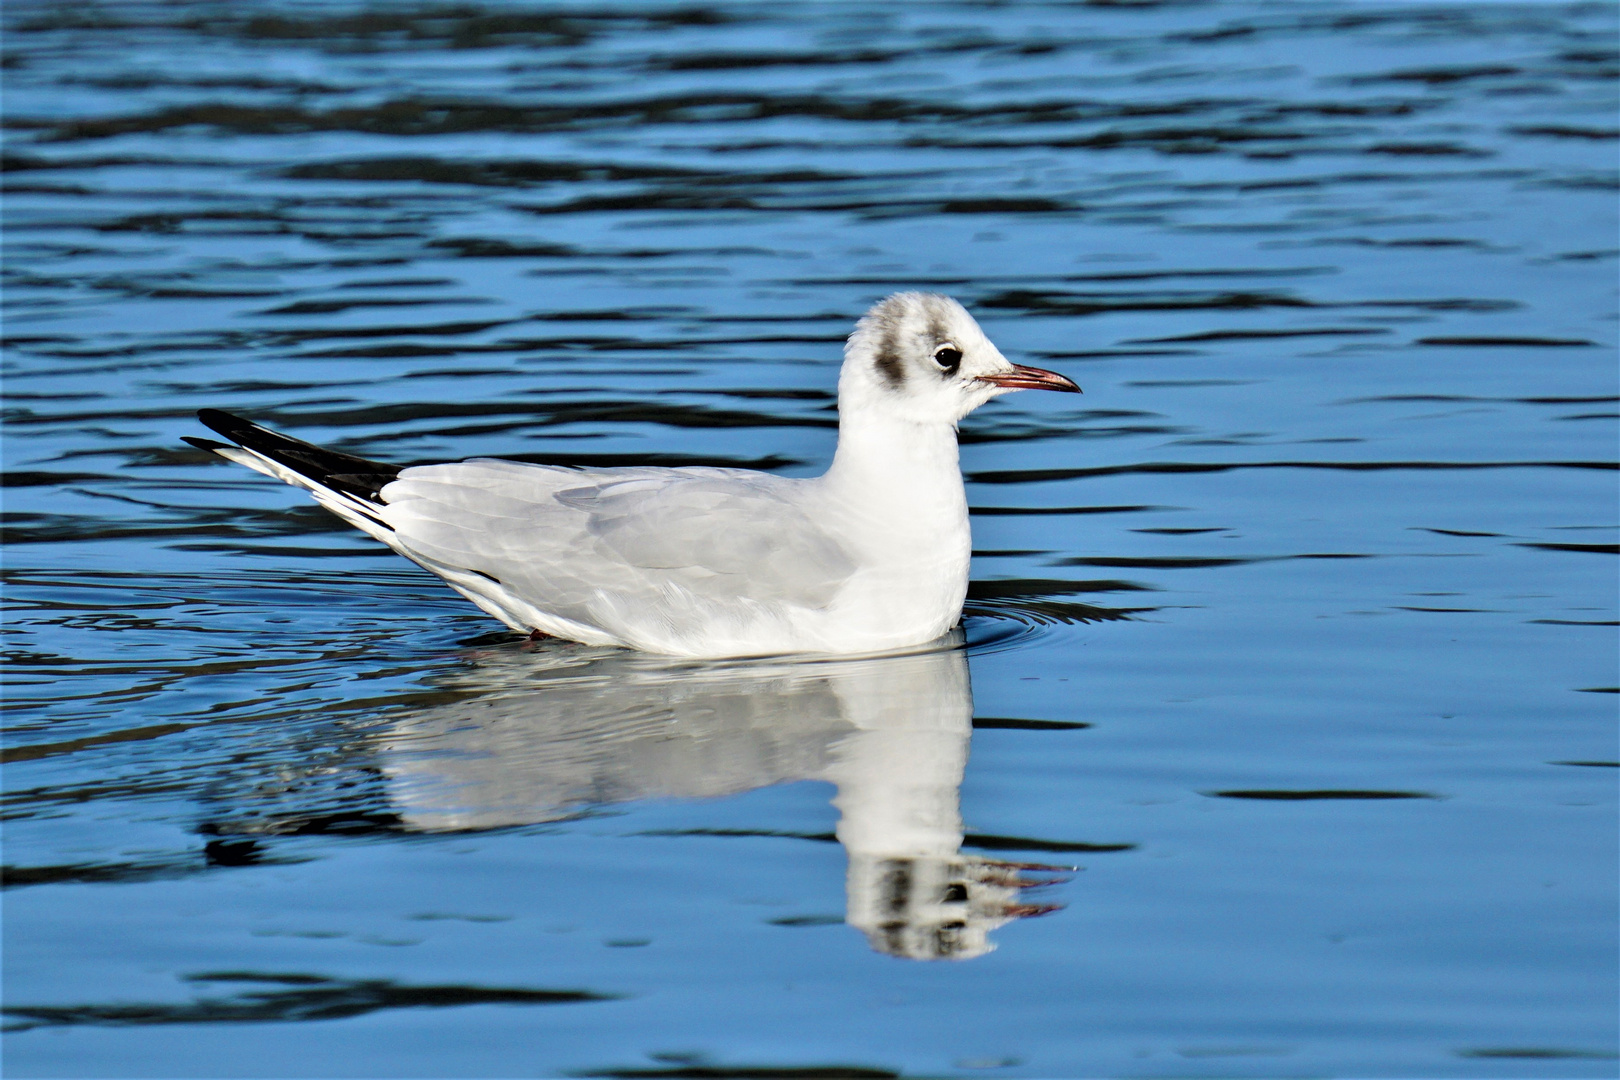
column 634, row 553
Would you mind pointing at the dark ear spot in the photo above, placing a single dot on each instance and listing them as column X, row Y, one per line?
column 888, row 358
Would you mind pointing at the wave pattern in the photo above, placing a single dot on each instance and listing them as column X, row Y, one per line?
column 1337, row 279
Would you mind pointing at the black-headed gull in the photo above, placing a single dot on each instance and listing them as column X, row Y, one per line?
column 870, row 556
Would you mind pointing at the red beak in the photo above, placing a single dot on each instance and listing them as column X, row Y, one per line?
column 1031, row 378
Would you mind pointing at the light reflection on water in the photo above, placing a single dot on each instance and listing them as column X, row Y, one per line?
column 1297, row 631
column 891, row 734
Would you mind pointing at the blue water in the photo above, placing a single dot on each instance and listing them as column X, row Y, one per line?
column 1279, row 738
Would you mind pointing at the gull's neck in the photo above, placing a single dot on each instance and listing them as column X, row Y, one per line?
column 894, row 467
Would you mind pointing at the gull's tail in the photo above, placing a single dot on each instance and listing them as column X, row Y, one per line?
column 351, row 487
column 348, row 486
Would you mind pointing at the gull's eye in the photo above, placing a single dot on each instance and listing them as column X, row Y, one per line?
column 948, row 356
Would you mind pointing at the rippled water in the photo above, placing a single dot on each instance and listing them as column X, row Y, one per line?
column 1295, row 635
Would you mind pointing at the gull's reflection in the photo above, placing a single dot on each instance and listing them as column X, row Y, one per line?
column 549, row 733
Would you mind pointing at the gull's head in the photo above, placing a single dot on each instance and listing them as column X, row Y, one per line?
column 921, row 357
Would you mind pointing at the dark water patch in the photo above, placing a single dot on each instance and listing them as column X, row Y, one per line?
column 334, row 307
column 1109, row 354
column 496, row 173
column 1574, row 622
column 1404, row 242
column 526, row 414
column 823, row 396
column 919, row 280
column 1454, row 532
column 1507, row 342
column 38, row 478
column 35, row 751
column 1586, row 256
column 1441, row 76
column 1563, row 131
column 133, row 81
column 308, row 998
column 734, row 61
column 1025, row 476
column 1590, row 181
column 1069, row 303
column 409, row 28
column 43, row 188
column 1537, row 1053
column 1261, row 335
column 280, row 551
column 266, row 222
column 690, row 200
column 987, row 842
column 745, row 1072
column 24, row 803
column 396, row 283
column 1042, row 511
column 990, row 633
column 1188, row 383
column 577, row 343
column 1540, row 400
column 821, row 838
column 1598, row 690
column 461, row 26
column 1196, row 562
column 232, row 340
column 1589, row 764
column 12, row 161
column 616, row 315
column 346, row 821
column 1009, row 723
column 1202, row 272
column 1427, row 149
column 119, row 873
column 976, row 433
column 1028, row 588
column 1034, row 611
column 1056, row 302
column 35, row 528
column 221, row 852
column 1595, row 549
column 1160, row 562
column 1450, row 610
column 1182, row 531
column 473, row 247
column 424, row 116
column 1278, row 795
column 808, row 920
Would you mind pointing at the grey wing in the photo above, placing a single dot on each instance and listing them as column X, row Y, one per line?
column 723, row 536
column 592, row 548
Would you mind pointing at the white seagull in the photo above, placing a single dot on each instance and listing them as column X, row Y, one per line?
column 707, row 562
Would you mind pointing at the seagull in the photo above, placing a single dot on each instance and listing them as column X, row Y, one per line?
column 871, row 556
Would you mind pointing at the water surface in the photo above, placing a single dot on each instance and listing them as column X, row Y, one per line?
column 1280, row 739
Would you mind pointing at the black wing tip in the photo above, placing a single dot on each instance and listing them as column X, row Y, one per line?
column 205, row 444
column 344, row 473
column 226, row 424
